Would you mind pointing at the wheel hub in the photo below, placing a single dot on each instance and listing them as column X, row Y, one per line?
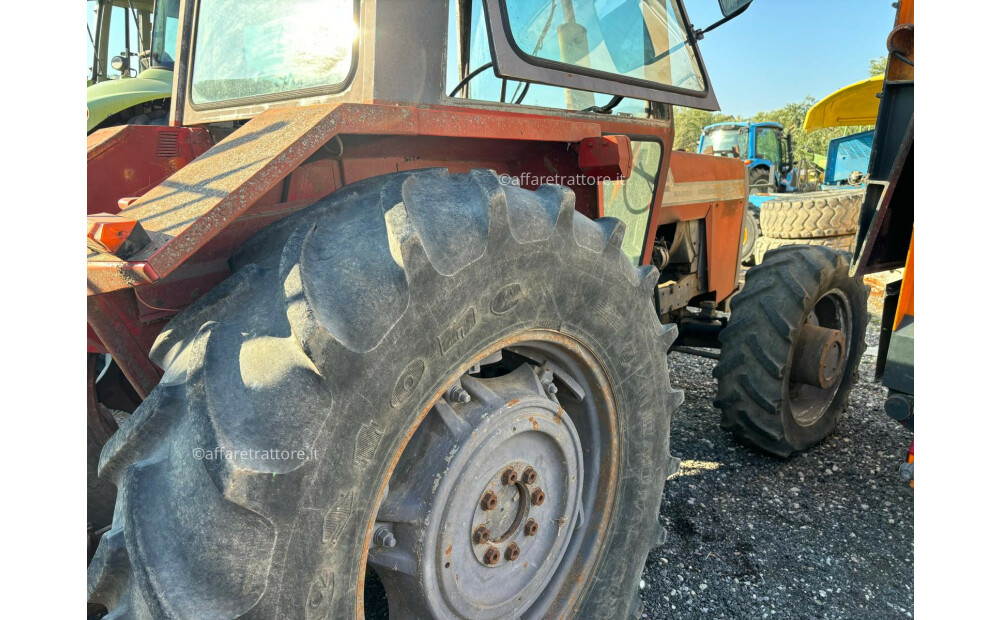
column 503, row 525
column 499, row 489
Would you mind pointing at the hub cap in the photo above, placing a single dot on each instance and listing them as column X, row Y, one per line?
column 808, row 402
column 484, row 500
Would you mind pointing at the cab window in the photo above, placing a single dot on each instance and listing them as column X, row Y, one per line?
column 642, row 39
column 256, row 49
column 768, row 144
column 631, row 200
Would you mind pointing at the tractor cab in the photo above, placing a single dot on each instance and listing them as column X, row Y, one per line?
column 765, row 148
column 132, row 43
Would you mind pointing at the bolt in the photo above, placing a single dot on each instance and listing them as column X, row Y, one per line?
column 508, row 477
column 492, row 556
column 531, row 527
column 481, row 535
column 529, row 476
column 489, row 501
column 537, row 497
column 384, row 538
column 549, row 387
column 458, row 394
column 512, row 552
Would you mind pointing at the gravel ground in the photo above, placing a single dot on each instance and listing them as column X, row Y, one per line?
column 827, row 534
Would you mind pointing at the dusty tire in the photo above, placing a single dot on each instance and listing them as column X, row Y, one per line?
column 110, row 398
column 340, row 327
column 760, row 403
column 760, row 180
column 751, row 233
column 830, row 213
column 766, row 244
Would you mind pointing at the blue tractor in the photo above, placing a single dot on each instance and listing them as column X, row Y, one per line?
column 765, row 148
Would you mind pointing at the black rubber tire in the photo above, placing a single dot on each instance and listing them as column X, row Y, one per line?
column 757, row 347
column 751, row 225
column 766, row 244
column 760, row 180
column 314, row 342
column 112, row 396
column 829, row 213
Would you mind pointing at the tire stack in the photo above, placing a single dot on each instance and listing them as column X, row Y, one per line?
column 828, row 218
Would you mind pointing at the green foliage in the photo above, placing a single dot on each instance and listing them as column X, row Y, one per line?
column 688, row 123
column 876, row 66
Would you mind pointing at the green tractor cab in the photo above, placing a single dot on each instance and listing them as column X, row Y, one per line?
column 133, row 86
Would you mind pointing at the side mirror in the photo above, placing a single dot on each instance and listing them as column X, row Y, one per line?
column 729, row 9
column 732, row 8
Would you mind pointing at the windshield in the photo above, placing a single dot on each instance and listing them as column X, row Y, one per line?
column 725, row 142
column 117, row 28
column 164, row 44
column 643, row 39
column 252, row 49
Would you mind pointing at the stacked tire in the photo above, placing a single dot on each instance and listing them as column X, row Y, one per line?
column 828, row 218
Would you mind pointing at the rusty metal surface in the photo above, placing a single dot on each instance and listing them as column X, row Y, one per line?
column 130, row 159
column 190, row 208
column 900, row 40
column 113, row 318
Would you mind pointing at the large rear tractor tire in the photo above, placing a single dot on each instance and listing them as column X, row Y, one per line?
column 830, row 213
column 791, row 350
column 459, row 385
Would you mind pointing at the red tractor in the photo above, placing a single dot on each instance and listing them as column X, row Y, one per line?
column 382, row 317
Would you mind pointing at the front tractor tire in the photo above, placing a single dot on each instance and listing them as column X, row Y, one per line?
column 791, row 350
column 477, row 377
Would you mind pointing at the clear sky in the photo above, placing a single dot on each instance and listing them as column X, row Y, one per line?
column 783, row 50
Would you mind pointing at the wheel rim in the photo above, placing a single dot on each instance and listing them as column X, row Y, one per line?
column 749, row 236
column 495, row 498
column 809, row 403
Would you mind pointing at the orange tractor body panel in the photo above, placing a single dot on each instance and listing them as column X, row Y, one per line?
column 713, row 189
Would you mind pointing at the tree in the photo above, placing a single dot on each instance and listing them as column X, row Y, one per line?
column 876, row 66
column 688, row 123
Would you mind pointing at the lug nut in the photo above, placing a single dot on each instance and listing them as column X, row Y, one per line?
column 492, row 556
column 489, row 501
column 384, row 538
column 549, row 387
column 537, row 497
column 458, row 394
column 512, row 552
column 531, row 527
column 529, row 476
column 508, row 477
column 481, row 535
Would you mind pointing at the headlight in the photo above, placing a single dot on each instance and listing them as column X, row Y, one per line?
column 118, row 63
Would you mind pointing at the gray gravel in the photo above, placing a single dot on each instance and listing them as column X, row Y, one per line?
column 827, row 534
